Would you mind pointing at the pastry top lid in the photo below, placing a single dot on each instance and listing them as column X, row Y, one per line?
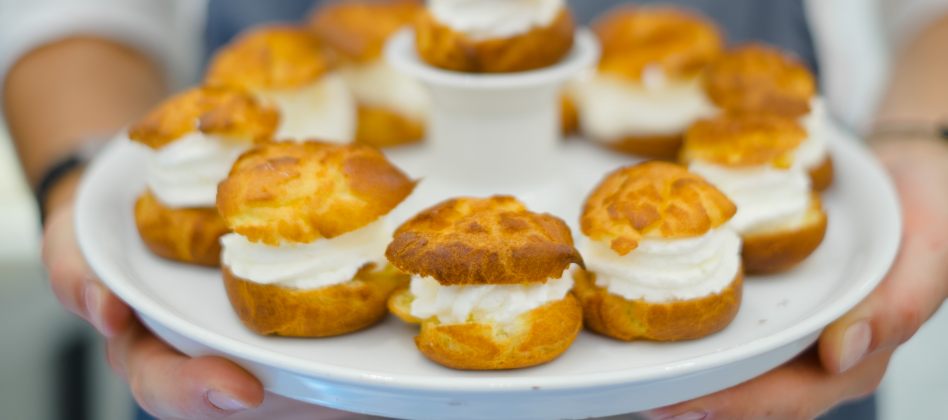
column 636, row 39
column 299, row 192
column 228, row 113
column 757, row 77
column 652, row 200
column 476, row 241
column 359, row 29
column 743, row 139
column 271, row 58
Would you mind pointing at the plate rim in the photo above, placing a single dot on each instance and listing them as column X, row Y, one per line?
column 111, row 274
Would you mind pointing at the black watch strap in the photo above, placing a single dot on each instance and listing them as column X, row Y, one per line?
column 52, row 177
column 59, row 170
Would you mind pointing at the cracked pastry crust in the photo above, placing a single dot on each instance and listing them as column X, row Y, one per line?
column 301, row 192
column 279, row 57
column 443, row 47
column 223, row 112
column 358, row 29
column 653, row 199
column 743, row 139
column 678, row 42
column 475, row 241
column 759, row 78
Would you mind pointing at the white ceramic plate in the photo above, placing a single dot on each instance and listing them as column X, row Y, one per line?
column 380, row 372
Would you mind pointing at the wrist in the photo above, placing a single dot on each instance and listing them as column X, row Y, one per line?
column 58, row 184
column 62, row 193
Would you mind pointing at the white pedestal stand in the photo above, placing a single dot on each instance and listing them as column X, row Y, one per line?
column 492, row 133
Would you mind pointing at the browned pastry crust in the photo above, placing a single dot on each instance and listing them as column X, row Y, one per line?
column 184, row 235
column 228, row 113
column 617, row 317
column 358, row 29
column 381, row 127
column 652, row 199
column 756, row 78
column 495, row 240
column 780, row 250
column 635, row 38
column 442, row 46
column 324, row 312
column 655, row 147
column 300, row 192
column 270, row 58
column 744, row 139
column 535, row 337
column 569, row 115
column 822, row 176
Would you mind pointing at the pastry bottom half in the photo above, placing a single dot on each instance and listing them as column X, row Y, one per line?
column 569, row 115
column 535, row 337
column 822, row 175
column 663, row 147
column 617, row 317
column 270, row 309
column 189, row 235
column 779, row 250
column 381, row 127
column 443, row 47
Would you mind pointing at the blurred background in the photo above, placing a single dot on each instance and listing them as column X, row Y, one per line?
column 52, row 366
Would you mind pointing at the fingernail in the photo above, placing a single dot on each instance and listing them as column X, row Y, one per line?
column 94, row 296
column 225, row 402
column 856, row 341
column 691, row 415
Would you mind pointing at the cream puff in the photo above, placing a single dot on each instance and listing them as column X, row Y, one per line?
column 393, row 107
column 310, row 225
column 489, row 283
column 290, row 68
column 647, row 89
column 753, row 159
column 494, row 36
column 661, row 261
column 758, row 78
column 195, row 137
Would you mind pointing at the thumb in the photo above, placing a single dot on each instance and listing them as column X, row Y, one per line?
column 893, row 313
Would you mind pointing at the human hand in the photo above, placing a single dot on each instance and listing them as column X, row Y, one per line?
column 164, row 382
column 853, row 352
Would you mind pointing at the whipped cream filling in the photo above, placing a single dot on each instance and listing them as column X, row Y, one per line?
column 322, row 263
column 483, row 303
column 488, row 19
column 767, row 198
column 185, row 173
column 378, row 84
column 323, row 110
column 612, row 108
column 812, row 152
column 662, row 270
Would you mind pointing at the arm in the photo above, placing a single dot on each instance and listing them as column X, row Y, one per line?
column 51, row 112
column 853, row 353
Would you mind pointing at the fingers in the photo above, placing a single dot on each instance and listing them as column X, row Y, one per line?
column 74, row 283
column 918, row 282
column 800, row 389
column 168, row 384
